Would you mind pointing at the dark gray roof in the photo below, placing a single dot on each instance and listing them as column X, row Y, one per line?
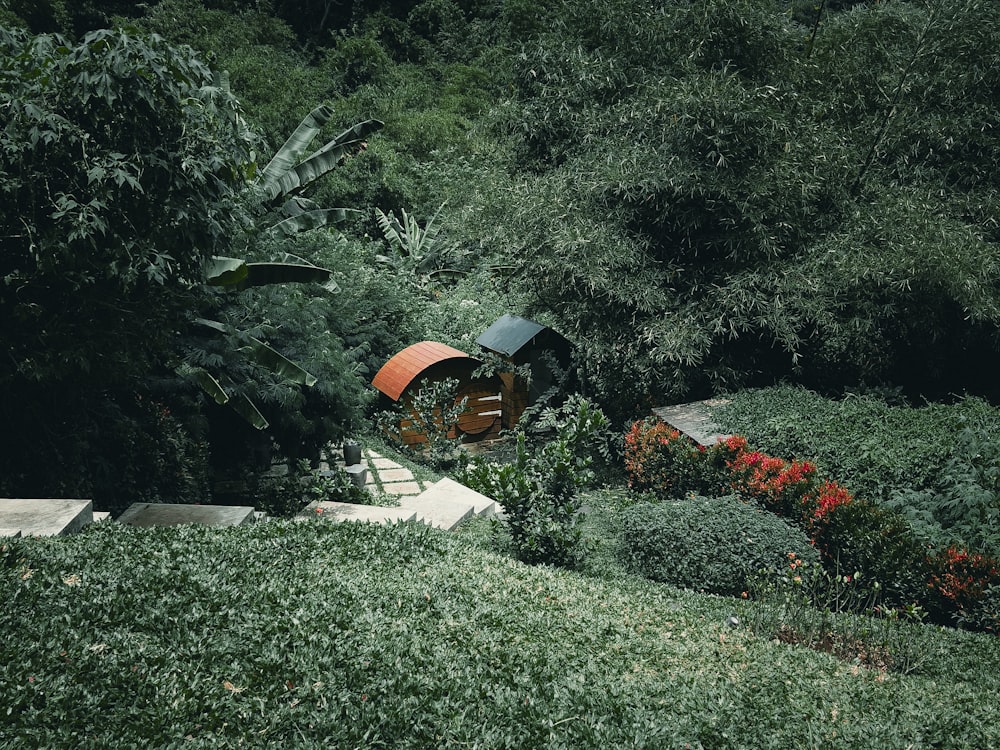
column 509, row 334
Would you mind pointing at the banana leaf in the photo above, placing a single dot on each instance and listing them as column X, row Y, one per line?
column 286, row 156
column 213, row 324
column 246, row 409
column 223, row 271
column 208, row 383
column 277, row 363
column 306, row 220
column 262, row 274
column 319, row 163
column 355, row 134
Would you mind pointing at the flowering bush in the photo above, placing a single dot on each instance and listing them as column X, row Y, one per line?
column 954, row 585
column 960, row 580
column 658, row 458
column 782, row 487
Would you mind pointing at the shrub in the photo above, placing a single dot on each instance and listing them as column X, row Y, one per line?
column 708, row 544
column 659, row 458
column 986, row 616
column 861, row 536
column 539, row 489
column 283, row 496
column 782, row 487
column 958, row 585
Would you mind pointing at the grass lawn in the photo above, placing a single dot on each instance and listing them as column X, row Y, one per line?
column 311, row 634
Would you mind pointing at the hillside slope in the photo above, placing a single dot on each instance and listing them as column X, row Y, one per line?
column 318, row 635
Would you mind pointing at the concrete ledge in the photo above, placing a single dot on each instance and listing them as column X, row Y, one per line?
column 353, row 512
column 10, row 533
column 439, row 509
column 449, row 489
column 176, row 514
column 694, row 420
column 45, row 516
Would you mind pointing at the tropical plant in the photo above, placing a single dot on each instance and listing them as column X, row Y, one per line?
column 539, row 490
column 107, row 223
column 281, row 181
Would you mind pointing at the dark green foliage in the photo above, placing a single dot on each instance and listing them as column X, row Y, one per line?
column 715, row 545
column 114, row 449
column 708, row 203
column 432, row 411
column 351, row 635
column 539, row 489
column 874, row 444
column 266, row 71
column 861, row 536
column 101, row 224
column 284, row 495
column 106, row 221
column 962, row 502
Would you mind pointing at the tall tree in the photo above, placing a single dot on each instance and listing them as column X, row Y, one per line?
column 121, row 163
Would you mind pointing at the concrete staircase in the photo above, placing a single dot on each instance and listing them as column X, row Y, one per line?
column 444, row 504
column 44, row 517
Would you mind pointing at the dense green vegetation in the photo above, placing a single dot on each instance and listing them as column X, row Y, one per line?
column 701, row 196
column 312, row 635
column 938, row 464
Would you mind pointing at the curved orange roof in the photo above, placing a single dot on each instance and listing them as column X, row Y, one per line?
column 397, row 374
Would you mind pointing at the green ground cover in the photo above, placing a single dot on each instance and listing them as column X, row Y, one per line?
column 322, row 635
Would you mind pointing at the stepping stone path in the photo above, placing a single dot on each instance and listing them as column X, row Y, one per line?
column 444, row 504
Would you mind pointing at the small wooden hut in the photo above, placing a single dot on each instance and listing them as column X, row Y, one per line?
column 401, row 376
column 525, row 342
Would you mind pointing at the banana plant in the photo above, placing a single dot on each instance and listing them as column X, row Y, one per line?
column 281, row 182
column 278, row 187
column 284, row 178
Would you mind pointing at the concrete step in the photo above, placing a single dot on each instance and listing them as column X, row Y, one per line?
column 353, row 512
column 449, row 489
column 45, row 516
column 175, row 514
column 439, row 513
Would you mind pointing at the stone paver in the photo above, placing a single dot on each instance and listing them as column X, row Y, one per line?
column 402, row 488
column 350, row 512
column 449, row 489
column 384, row 463
column 397, row 474
column 45, row 516
column 175, row 514
column 438, row 511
